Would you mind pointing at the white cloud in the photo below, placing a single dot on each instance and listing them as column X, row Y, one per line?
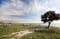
column 18, row 20
column 6, row 11
column 16, row 7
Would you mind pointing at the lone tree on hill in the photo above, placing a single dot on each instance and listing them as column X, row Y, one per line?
column 50, row 16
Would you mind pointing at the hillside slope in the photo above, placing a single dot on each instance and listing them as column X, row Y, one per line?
column 52, row 33
column 40, row 32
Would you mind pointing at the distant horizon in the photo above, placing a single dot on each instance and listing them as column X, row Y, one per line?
column 44, row 24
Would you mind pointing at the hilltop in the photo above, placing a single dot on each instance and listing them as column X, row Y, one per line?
column 38, row 32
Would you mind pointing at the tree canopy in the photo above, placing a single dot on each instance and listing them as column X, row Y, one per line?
column 50, row 16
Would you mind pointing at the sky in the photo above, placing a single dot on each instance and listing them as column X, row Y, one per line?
column 27, row 11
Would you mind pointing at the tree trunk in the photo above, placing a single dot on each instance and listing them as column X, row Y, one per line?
column 49, row 24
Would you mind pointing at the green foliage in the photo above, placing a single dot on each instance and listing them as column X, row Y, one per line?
column 52, row 33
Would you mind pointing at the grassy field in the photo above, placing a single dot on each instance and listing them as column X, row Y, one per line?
column 47, row 34
column 52, row 33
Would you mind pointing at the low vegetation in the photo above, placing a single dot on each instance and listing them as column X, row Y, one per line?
column 52, row 33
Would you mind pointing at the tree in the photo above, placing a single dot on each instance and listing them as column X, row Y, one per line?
column 50, row 16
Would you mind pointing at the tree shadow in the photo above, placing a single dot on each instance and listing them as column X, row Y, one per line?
column 44, row 30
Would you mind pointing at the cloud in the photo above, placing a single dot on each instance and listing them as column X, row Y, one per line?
column 22, row 11
column 12, row 8
column 18, row 20
column 17, row 9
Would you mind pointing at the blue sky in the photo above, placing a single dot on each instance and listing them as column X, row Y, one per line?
column 26, row 11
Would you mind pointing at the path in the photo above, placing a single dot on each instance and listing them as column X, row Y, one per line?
column 17, row 35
